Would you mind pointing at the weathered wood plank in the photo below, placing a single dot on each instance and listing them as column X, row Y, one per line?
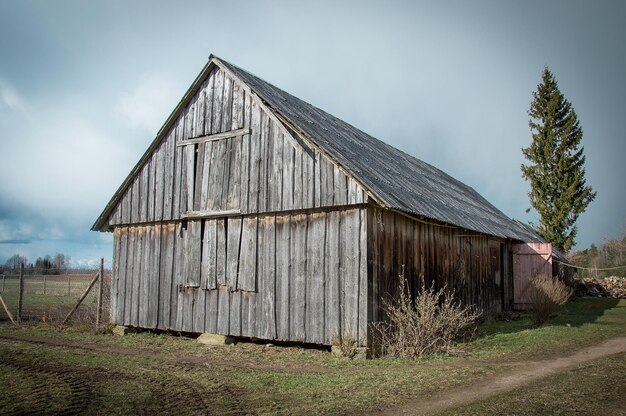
column 298, row 180
column 283, row 269
column 308, row 172
column 214, row 189
column 151, row 195
column 363, row 279
column 115, row 275
column 226, row 175
column 235, row 314
column 146, row 272
column 349, row 253
column 248, row 255
column 126, row 276
column 135, row 201
column 223, row 314
column 208, row 107
column 317, row 180
column 221, row 295
column 298, row 288
column 220, row 268
column 234, row 183
column 328, row 183
column 154, row 283
column 143, row 193
column 211, row 214
column 200, row 111
column 227, row 104
column 218, row 92
column 118, row 311
column 166, row 276
column 209, row 257
column 245, row 157
column 179, row 281
column 276, row 177
column 340, row 183
column 210, row 321
column 159, row 179
column 263, row 163
column 266, row 312
column 372, row 270
column 136, row 297
column 189, row 180
column 288, row 175
column 199, row 168
column 333, row 312
column 127, row 206
column 237, row 108
column 232, row 251
column 179, row 172
column 315, row 296
column 206, row 176
column 169, row 157
column 193, row 238
column 255, row 159
column 229, row 134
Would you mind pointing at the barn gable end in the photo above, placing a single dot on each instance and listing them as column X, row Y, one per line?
column 226, row 152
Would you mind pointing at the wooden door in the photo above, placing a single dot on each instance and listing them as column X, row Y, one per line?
column 529, row 260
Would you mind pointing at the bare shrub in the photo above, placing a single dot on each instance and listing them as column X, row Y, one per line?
column 425, row 326
column 545, row 294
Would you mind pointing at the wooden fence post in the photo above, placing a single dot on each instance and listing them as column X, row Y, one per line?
column 21, row 294
column 69, row 293
column 100, row 286
column 83, row 296
column 44, row 284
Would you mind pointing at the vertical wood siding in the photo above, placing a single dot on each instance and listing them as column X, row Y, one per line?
column 266, row 170
column 298, row 277
column 467, row 262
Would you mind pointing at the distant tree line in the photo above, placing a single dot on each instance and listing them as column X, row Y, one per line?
column 611, row 253
column 59, row 264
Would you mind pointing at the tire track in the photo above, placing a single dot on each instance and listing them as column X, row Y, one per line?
column 171, row 387
column 80, row 393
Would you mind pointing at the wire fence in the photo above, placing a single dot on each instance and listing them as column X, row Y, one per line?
column 50, row 298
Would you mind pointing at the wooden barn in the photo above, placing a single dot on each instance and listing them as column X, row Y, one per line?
column 256, row 214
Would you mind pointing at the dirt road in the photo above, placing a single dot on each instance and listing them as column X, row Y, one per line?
column 519, row 375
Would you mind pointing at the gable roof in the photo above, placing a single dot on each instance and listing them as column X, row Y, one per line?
column 397, row 180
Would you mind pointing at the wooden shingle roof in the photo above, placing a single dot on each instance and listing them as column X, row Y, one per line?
column 400, row 181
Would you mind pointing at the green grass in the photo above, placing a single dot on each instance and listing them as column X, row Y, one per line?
column 597, row 387
column 146, row 372
column 578, row 323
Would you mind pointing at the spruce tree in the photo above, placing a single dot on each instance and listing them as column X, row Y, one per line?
column 556, row 170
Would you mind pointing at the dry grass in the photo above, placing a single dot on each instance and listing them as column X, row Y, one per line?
column 546, row 294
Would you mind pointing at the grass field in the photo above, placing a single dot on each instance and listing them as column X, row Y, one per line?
column 46, row 371
column 48, row 299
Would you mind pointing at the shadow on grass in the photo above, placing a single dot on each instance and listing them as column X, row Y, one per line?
column 582, row 311
column 575, row 313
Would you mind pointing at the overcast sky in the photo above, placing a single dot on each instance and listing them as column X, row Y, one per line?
column 85, row 86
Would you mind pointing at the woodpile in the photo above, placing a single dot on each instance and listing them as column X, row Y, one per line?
column 613, row 287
